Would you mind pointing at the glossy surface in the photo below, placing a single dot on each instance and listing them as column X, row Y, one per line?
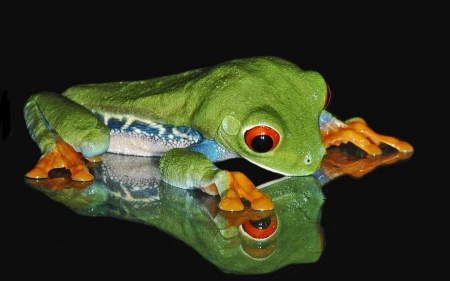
column 245, row 243
column 385, row 74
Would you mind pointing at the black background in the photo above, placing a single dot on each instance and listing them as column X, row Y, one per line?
column 383, row 63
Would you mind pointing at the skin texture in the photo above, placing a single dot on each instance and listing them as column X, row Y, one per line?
column 222, row 103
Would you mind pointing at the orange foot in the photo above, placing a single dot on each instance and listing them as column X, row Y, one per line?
column 239, row 186
column 61, row 156
column 357, row 132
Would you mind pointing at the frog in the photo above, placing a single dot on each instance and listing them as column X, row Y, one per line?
column 265, row 109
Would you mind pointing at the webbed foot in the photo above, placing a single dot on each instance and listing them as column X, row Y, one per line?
column 239, row 186
column 62, row 156
column 356, row 131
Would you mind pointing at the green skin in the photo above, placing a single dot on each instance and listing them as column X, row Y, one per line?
column 221, row 102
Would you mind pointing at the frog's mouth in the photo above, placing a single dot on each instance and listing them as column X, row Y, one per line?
column 308, row 168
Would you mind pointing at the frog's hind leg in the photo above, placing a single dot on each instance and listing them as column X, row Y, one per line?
column 62, row 129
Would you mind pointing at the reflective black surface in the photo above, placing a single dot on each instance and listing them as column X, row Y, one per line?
column 245, row 243
column 390, row 223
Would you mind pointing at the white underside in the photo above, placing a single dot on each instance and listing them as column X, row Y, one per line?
column 141, row 145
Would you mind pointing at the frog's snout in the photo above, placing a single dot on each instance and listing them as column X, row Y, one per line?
column 310, row 162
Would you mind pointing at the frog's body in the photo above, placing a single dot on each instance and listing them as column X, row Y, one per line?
column 266, row 110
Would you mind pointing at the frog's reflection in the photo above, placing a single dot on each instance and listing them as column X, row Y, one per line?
column 247, row 242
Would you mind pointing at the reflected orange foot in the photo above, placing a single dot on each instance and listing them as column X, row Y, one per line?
column 238, row 218
column 61, row 156
column 337, row 163
column 357, row 132
column 239, row 186
column 59, row 184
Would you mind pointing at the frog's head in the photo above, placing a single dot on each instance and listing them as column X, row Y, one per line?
column 269, row 111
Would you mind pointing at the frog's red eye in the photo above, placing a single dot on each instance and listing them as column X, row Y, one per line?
column 262, row 228
column 262, row 138
column 327, row 97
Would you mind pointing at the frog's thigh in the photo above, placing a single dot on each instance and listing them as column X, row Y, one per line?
column 47, row 113
column 187, row 169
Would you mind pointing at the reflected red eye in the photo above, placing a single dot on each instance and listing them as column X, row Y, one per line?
column 262, row 228
column 262, row 138
column 328, row 97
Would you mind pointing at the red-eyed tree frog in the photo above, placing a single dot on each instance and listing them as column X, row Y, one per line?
column 264, row 109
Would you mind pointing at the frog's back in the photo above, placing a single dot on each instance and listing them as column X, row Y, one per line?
column 151, row 99
column 201, row 98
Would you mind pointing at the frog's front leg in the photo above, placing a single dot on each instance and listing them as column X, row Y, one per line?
column 356, row 131
column 63, row 129
column 189, row 169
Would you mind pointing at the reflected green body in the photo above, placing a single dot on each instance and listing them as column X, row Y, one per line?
column 130, row 188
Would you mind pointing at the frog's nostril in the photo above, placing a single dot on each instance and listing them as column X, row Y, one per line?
column 308, row 159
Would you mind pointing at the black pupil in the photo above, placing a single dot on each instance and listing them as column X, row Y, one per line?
column 262, row 143
column 262, row 223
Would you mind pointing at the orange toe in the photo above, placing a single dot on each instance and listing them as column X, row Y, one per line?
column 262, row 204
column 81, row 173
column 37, row 173
column 231, row 202
column 94, row 159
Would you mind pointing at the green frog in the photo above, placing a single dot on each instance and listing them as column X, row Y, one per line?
column 264, row 109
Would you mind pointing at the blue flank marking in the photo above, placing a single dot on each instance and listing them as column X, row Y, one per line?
column 325, row 117
column 116, row 124
column 212, row 150
column 209, row 148
column 323, row 179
